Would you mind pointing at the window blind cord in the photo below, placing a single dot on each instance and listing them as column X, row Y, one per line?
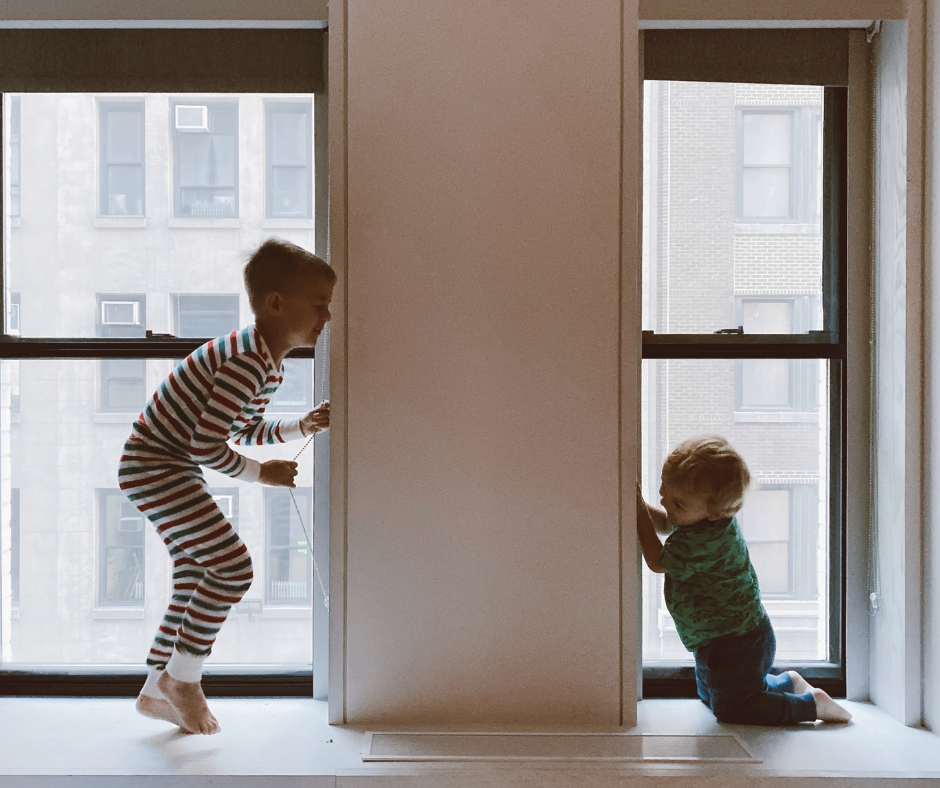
column 316, row 571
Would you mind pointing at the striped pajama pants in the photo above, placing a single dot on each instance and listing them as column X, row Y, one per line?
column 211, row 565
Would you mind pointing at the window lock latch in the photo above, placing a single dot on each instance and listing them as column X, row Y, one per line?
column 151, row 335
column 738, row 330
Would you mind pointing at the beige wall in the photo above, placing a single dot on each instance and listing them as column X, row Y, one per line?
column 482, row 297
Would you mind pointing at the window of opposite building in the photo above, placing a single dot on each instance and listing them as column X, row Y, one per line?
column 288, row 553
column 122, row 385
column 122, row 158
column 289, row 159
column 205, row 158
column 120, row 550
column 205, row 316
column 15, row 547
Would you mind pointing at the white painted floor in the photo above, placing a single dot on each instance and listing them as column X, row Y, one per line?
column 64, row 739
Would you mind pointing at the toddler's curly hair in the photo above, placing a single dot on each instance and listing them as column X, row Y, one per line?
column 710, row 465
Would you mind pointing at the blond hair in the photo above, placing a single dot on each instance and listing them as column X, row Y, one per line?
column 276, row 265
column 709, row 465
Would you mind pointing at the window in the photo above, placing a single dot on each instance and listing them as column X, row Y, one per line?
column 15, row 547
column 122, row 159
column 120, row 550
column 205, row 158
column 289, row 151
column 206, row 316
column 97, row 571
column 743, row 307
column 779, row 175
column 288, row 565
column 122, row 386
column 14, row 157
column 776, row 385
column 13, row 315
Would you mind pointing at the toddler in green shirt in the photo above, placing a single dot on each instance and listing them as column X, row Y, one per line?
column 712, row 593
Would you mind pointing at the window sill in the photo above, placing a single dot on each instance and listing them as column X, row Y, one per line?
column 118, row 613
column 199, row 223
column 120, row 222
column 777, row 228
column 287, row 224
column 14, row 221
column 115, row 418
column 776, row 416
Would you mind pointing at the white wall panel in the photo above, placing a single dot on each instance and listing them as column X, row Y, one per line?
column 482, row 276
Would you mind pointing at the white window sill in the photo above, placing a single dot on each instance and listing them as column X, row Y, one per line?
column 287, row 224
column 120, row 222
column 115, row 418
column 100, row 740
column 118, row 613
column 793, row 417
column 200, row 223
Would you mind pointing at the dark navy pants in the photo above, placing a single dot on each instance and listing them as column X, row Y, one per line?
column 733, row 678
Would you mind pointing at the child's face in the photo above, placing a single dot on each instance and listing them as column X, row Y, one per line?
column 306, row 310
column 684, row 505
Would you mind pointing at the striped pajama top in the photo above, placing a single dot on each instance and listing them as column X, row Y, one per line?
column 216, row 395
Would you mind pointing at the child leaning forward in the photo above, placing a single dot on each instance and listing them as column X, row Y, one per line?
column 218, row 395
column 712, row 593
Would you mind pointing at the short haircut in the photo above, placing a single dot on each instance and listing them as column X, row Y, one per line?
column 276, row 265
column 709, row 464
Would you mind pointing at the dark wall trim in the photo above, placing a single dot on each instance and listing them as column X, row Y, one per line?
column 790, row 57
column 262, row 60
column 15, row 683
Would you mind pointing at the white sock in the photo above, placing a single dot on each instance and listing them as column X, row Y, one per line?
column 151, row 689
column 185, row 667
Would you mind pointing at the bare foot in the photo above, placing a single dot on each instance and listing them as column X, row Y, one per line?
column 828, row 710
column 800, row 685
column 189, row 702
column 158, row 709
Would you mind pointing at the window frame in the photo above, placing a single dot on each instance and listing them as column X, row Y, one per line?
column 304, row 498
column 94, row 60
column 178, row 312
column 828, row 344
column 103, row 329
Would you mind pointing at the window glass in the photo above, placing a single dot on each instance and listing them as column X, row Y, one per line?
column 295, row 394
column 14, row 209
column 122, row 387
column 785, row 519
column 289, row 154
column 14, row 547
column 206, row 316
column 731, row 201
column 87, row 569
column 196, row 234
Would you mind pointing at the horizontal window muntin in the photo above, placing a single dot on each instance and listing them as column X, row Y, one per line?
column 815, row 345
column 18, row 347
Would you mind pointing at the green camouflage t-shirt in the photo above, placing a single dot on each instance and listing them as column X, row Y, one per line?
column 711, row 587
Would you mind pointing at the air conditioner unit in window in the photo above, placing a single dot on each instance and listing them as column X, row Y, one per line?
column 131, row 524
column 120, row 313
column 192, row 118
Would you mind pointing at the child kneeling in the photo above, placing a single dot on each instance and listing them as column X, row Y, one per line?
column 712, row 593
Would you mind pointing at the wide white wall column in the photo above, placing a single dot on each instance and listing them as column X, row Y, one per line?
column 476, row 223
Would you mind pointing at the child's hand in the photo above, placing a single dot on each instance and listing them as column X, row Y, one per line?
column 279, row 473
column 316, row 420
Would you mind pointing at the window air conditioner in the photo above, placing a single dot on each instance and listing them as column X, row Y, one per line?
column 192, row 118
column 131, row 524
column 120, row 313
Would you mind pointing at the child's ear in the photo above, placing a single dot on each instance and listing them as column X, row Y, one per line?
column 273, row 302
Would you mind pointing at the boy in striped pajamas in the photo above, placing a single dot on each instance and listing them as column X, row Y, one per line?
column 216, row 395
